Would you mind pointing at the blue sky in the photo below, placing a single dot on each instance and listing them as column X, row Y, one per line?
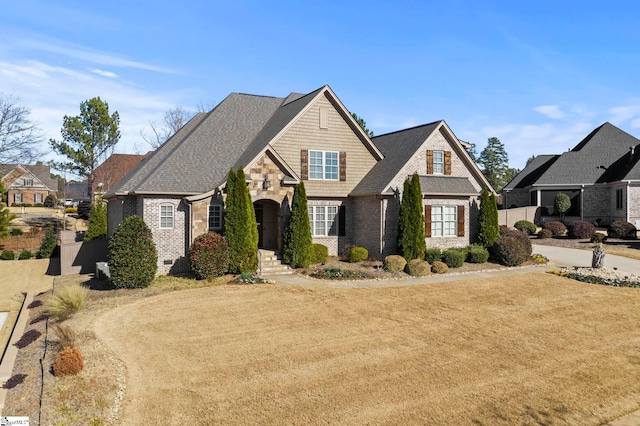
column 538, row 75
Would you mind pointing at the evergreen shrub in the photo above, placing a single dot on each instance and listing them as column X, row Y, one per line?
column 454, row 258
column 7, row 255
column 68, row 362
column 209, row 256
column 439, row 267
column 394, row 263
column 477, row 254
column 133, row 259
column 488, row 229
column 25, row 254
column 580, row 229
column 48, row 243
column 358, row 254
column 432, row 254
column 297, row 243
column 524, row 225
column 509, row 251
column 321, row 253
column 545, row 233
column 50, row 201
column 418, row 268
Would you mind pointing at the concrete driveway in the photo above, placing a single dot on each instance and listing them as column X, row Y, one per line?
column 561, row 256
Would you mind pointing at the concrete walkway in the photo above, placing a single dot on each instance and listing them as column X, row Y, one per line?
column 561, row 256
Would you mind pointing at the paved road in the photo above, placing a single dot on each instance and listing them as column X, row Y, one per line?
column 561, row 256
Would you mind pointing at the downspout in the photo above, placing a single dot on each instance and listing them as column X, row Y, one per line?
column 382, row 230
column 190, row 227
column 627, row 205
column 582, row 203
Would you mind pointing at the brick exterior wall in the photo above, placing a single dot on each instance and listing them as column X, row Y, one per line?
column 470, row 214
column 367, row 221
column 14, row 184
column 336, row 244
column 171, row 243
column 634, row 204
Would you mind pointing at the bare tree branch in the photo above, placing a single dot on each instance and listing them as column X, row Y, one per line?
column 174, row 119
column 19, row 137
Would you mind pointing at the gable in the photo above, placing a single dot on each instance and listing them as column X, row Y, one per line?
column 326, row 126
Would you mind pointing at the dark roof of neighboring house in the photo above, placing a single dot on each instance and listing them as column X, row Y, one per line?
column 197, row 159
column 115, row 168
column 39, row 170
column 397, row 148
column 605, row 155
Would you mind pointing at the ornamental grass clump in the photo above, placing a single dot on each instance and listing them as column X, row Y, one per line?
column 65, row 301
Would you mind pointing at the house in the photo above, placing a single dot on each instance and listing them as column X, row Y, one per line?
column 353, row 182
column 114, row 168
column 601, row 175
column 27, row 184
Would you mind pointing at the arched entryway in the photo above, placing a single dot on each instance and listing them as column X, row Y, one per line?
column 267, row 213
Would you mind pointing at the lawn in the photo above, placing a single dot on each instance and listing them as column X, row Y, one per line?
column 537, row 350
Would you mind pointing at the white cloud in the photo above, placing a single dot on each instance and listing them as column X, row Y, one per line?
column 551, row 111
column 108, row 74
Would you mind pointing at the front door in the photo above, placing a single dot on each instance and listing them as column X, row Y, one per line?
column 267, row 212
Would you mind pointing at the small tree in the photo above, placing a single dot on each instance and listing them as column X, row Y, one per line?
column 97, row 227
column 411, row 242
column 133, row 259
column 488, row 229
column 297, row 243
column 48, row 244
column 561, row 203
column 5, row 218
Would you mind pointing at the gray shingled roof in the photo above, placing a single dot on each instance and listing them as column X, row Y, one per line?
column 198, row 158
column 530, row 174
column 448, row 185
column 39, row 170
column 600, row 157
column 397, row 148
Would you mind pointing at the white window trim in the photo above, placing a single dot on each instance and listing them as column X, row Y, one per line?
column 453, row 223
column 161, row 216
column 439, row 164
column 314, row 212
column 35, row 198
column 213, row 207
column 324, row 165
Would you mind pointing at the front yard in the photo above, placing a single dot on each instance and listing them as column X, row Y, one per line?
column 537, row 350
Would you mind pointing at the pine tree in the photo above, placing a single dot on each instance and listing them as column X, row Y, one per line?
column 297, row 243
column 411, row 242
column 495, row 163
column 488, row 229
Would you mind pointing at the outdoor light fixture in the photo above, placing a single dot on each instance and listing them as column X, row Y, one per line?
column 265, row 183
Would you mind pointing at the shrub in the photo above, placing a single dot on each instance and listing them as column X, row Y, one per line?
column 417, row 268
column 411, row 243
column 97, row 227
column 526, row 226
column 7, row 255
column 297, row 243
column 432, row 254
column 68, row 362
column 622, row 229
column 477, row 254
column 394, row 263
column 209, row 256
column 65, row 301
column 488, row 229
column 579, row 229
column 321, row 253
column 50, row 201
column 16, row 232
column 25, row 254
column 358, row 254
column 545, row 233
column 510, row 251
column 439, row 267
column 133, row 260
column 48, row 244
column 71, row 210
column 454, row 258
column 598, row 237
column 557, row 228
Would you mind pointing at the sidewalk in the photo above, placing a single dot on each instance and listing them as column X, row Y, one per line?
column 561, row 256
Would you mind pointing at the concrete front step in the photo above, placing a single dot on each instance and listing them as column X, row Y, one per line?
column 271, row 264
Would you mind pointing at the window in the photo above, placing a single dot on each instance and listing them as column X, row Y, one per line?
column 215, row 216
column 619, row 200
column 37, row 198
column 166, row 216
column 438, row 162
column 323, row 165
column 28, row 182
column 324, row 220
column 444, row 221
column 17, row 198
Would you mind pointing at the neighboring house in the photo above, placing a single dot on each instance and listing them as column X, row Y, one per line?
column 353, row 183
column 27, row 184
column 601, row 175
column 76, row 191
column 114, row 168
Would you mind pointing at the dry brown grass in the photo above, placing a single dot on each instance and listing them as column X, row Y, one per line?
column 537, row 350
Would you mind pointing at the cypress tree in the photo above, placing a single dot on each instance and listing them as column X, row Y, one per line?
column 97, row 221
column 411, row 242
column 297, row 243
column 488, row 229
column 240, row 225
